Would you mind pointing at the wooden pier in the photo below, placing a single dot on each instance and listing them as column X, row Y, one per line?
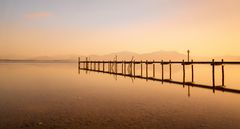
column 128, row 68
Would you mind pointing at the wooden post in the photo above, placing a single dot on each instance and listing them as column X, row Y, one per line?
column 110, row 66
column 141, row 68
column 79, row 63
column 146, row 68
column 183, row 64
column 153, row 69
column 107, row 66
column 131, row 67
column 103, row 66
column 113, row 66
column 222, row 73
column 192, row 72
column 90, row 63
column 94, row 65
column 162, row 70
column 134, row 68
column 116, row 67
column 170, row 69
column 122, row 66
column 86, row 63
column 213, row 72
column 98, row 65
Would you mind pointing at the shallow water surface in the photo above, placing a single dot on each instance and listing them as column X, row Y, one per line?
column 56, row 96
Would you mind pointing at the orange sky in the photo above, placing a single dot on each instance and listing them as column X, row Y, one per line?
column 41, row 28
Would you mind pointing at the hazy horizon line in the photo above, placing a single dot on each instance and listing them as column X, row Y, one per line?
column 106, row 54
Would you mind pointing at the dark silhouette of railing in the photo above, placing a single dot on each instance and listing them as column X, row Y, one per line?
column 112, row 68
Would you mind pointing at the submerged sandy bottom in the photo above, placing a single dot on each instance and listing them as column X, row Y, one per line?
column 55, row 96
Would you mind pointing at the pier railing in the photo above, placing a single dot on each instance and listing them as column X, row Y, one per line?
column 128, row 68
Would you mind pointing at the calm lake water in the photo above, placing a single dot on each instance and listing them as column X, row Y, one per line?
column 56, row 96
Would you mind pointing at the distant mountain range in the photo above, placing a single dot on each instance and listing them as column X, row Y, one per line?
column 123, row 55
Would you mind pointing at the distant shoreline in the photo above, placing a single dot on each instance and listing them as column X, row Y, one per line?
column 35, row 61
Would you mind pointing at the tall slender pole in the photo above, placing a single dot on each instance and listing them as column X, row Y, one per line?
column 222, row 73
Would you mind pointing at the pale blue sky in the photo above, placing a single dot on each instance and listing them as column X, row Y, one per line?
column 90, row 13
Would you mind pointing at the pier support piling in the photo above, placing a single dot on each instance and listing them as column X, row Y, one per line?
column 103, row 66
column 153, row 69
column 122, row 66
column 162, row 70
column 213, row 72
column 134, row 69
column 183, row 64
column 192, row 72
column 79, row 63
column 146, row 68
column 222, row 73
column 170, row 69
column 141, row 68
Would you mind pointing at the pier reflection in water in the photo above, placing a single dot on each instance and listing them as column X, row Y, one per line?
column 57, row 96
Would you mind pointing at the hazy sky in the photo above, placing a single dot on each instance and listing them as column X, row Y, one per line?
column 58, row 27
